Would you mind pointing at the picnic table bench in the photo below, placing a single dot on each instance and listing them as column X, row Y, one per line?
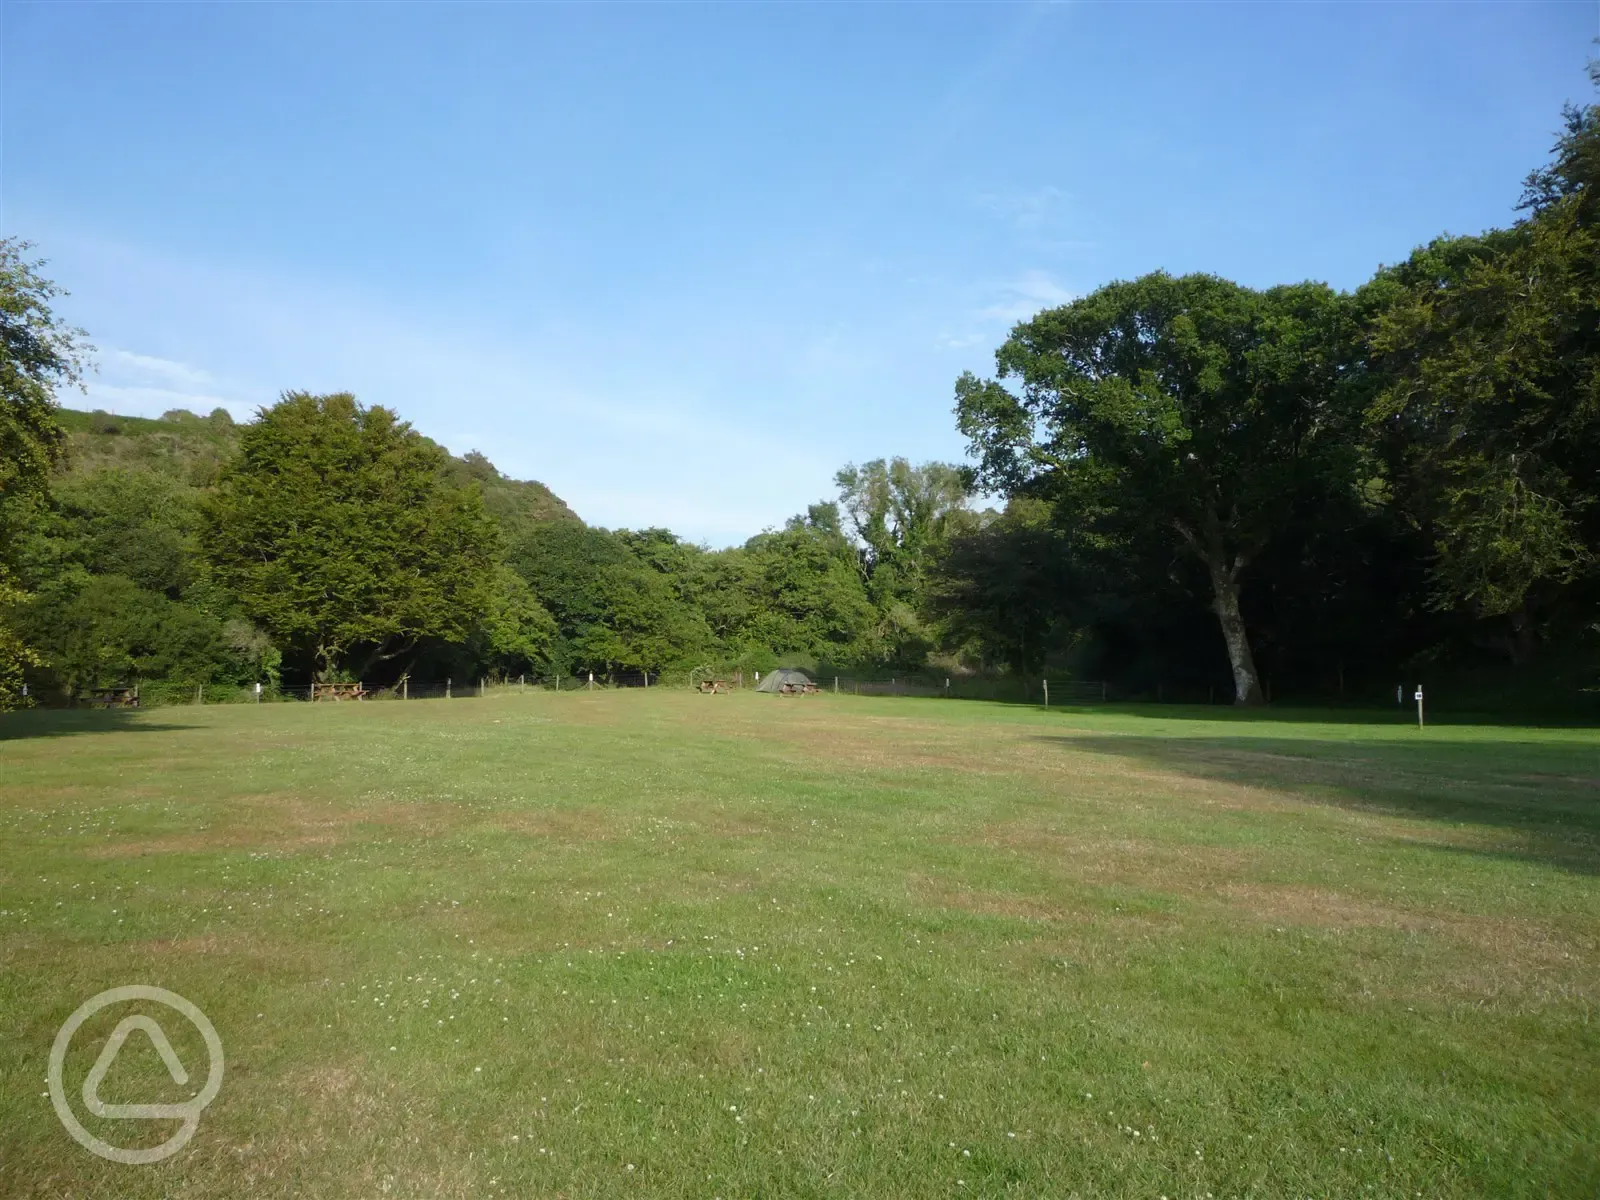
column 338, row 691
column 120, row 697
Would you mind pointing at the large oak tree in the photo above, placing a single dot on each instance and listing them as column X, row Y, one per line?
column 1188, row 409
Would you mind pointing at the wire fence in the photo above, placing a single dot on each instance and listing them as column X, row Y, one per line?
column 1010, row 689
column 1007, row 688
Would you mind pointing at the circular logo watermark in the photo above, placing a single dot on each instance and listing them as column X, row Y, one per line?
column 187, row 1112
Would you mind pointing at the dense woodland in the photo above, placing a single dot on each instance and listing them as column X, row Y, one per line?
column 1185, row 487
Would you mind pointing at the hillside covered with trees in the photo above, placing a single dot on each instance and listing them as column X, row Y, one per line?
column 1180, row 485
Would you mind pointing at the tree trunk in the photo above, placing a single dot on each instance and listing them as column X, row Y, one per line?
column 1225, row 602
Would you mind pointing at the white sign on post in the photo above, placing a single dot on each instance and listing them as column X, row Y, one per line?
column 1419, row 705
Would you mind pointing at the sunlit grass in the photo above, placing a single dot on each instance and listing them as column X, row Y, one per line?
column 663, row 944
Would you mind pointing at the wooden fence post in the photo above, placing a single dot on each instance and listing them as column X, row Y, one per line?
column 1047, row 693
column 447, row 687
column 405, row 687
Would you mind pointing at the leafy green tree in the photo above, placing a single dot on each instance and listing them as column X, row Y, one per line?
column 334, row 527
column 1187, row 409
column 118, row 521
column 516, row 633
column 806, row 597
column 16, row 655
column 1488, row 420
column 1000, row 586
column 623, row 601
column 38, row 354
column 901, row 513
column 105, row 630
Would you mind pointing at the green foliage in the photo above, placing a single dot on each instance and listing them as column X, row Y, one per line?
column 17, row 657
column 37, row 355
column 1489, row 414
column 518, row 505
column 517, row 633
column 105, row 630
column 805, row 597
column 1189, row 410
column 190, row 451
column 999, row 589
column 136, row 524
column 337, row 532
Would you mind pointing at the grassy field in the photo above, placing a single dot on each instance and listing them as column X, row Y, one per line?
column 660, row 944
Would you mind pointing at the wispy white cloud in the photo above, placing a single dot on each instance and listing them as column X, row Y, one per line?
column 145, row 385
column 126, row 362
column 1024, row 296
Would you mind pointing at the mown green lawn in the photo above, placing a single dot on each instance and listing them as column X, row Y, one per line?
column 659, row 944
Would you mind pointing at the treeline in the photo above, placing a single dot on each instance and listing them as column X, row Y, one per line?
column 327, row 540
column 1361, row 486
column 1203, row 491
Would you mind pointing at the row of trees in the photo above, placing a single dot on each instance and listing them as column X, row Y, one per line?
column 1203, row 487
column 1357, row 479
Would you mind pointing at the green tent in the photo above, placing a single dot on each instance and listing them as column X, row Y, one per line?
column 784, row 679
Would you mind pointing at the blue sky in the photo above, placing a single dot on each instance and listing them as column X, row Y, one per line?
column 681, row 262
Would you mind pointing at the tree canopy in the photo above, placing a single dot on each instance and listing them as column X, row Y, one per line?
column 1187, row 409
column 336, row 530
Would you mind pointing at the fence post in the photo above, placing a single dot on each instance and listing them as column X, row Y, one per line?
column 522, row 683
column 1047, row 693
column 405, row 687
column 835, row 685
column 591, row 681
column 199, row 693
column 447, row 687
column 947, row 687
column 258, row 692
column 647, row 679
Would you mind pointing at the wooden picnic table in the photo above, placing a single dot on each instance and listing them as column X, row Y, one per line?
column 120, row 697
column 338, row 691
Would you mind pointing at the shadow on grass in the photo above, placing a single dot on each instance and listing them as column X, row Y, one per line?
column 1390, row 714
column 1546, row 795
column 57, row 722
